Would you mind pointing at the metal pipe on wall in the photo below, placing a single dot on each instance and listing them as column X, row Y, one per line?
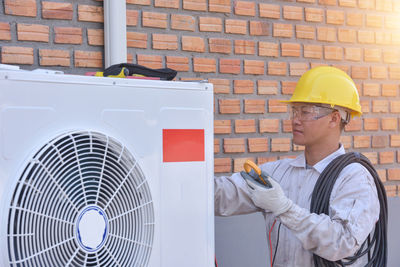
column 115, row 51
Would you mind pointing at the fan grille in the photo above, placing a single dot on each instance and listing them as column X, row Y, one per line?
column 69, row 174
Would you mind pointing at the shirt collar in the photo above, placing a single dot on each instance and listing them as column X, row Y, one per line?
column 300, row 161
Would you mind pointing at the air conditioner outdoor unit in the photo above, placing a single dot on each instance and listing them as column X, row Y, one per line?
column 105, row 171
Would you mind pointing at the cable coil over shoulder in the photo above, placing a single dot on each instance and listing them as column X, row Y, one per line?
column 377, row 247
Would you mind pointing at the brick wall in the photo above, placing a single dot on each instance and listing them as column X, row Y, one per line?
column 252, row 51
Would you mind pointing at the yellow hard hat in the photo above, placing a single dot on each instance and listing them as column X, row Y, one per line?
column 327, row 85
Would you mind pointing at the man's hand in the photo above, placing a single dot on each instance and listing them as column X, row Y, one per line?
column 270, row 199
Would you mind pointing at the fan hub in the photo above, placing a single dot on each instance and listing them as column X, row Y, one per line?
column 92, row 228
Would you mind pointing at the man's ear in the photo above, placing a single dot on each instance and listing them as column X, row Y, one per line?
column 335, row 120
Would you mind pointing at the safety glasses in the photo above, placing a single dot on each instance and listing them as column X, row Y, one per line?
column 309, row 112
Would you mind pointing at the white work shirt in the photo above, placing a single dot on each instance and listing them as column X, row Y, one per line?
column 353, row 210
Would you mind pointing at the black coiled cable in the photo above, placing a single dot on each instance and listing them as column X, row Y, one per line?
column 375, row 247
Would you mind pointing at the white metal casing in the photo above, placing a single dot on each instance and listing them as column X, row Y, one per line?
column 36, row 108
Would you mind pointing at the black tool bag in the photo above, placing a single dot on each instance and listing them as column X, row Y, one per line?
column 163, row 74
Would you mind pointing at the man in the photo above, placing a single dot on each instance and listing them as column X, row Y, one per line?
column 323, row 102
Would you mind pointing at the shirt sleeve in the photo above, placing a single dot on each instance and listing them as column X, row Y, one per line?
column 354, row 210
column 232, row 196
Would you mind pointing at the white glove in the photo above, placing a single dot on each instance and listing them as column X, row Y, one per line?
column 270, row 199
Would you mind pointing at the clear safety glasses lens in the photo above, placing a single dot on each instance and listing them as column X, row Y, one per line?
column 309, row 113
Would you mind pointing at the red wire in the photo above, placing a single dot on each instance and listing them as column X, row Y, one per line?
column 270, row 243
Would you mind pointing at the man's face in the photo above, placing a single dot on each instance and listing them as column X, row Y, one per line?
column 309, row 123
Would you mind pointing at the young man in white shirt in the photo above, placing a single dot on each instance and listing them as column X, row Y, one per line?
column 323, row 102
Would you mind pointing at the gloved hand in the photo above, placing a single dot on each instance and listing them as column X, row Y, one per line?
column 271, row 199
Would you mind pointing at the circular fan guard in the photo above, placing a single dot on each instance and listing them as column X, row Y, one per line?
column 69, row 174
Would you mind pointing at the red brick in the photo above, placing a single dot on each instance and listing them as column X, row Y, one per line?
column 334, row 17
column 305, row 32
column 216, row 145
column 314, row 14
column 68, row 35
column 328, row 2
column 352, row 53
column 210, row 24
column 390, row 56
column 292, row 12
column 254, row 106
column 298, row 68
column 258, row 144
column 372, row 156
column 371, row 124
column 262, row 160
column 150, row 61
column 391, row 190
column 348, row 3
column 380, row 106
column 288, row 87
column 17, row 55
column 395, row 106
column 139, row 2
column 245, row 8
column 221, row 86
column 96, row 37
column 333, row 53
column 255, row 67
column 53, row 10
column 229, row 106
column 392, row 22
column 268, row 49
column 269, row 11
column 231, row 66
column 239, row 162
column 196, row 5
column 178, row 63
column 372, row 55
column 362, row 141
column 277, row 68
column 33, row 32
column 259, row 28
column 326, row 34
column 355, row 19
column 371, row 89
column 222, row 165
column 132, row 17
column 345, row 140
column 244, row 47
column 25, row 8
column 384, row 5
column 365, row 106
column 235, row 26
column 312, row 51
column 222, row 127
column 354, row 125
column 383, row 38
column 222, row 6
column 367, row 4
column 136, row 39
column 395, row 140
column 183, row 22
column 193, row 44
column 276, row 106
column 266, row 87
column 5, row 31
column 243, row 86
column 88, row 59
column 388, row 124
column 380, row 141
column 366, row 37
column 245, row 126
column 90, row 13
column 287, row 126
column 269, row 125
column 347, row 35
column 359, row 72
column 290, row 49
column 49, row 57
column 280, row 144
column 234, row 145
column 374, row 20
column 282, row 30
column 204, row 65
column 154, row 20
column 389, row 89
column 306, row 1
column 394, row 72
column 219, row 45
column 167, row 3
column 379, row 72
